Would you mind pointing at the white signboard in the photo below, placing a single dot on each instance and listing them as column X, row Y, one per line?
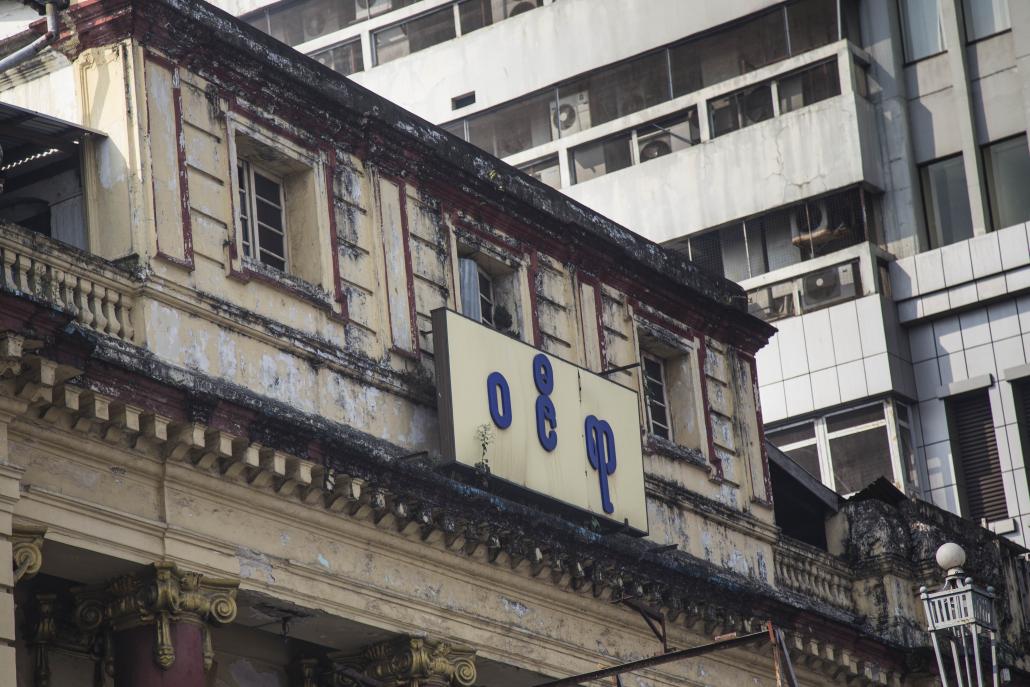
column 538, row 422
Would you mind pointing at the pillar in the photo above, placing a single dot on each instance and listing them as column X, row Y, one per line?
column 15, row 563
column 159, row 621
column 407, row 661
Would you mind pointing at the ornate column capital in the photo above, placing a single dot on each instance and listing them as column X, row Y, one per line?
column 159, row 595
column 417, row 662
column 27, row 546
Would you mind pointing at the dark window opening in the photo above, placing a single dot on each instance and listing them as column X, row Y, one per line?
column 475, row 14
column 545, row 170
column 413, row 35
column 657, row 399
column 784, row 237
column 601, row 157
column 460, row 101
column 798, row 515
column 977, row 465
column 809, row 86
column 741, row 109
column 946, row 201
column 799, row 443
column 639, row 82
column 345, row 58
column 294, row 23
column 1007, row 170
column 617, row 91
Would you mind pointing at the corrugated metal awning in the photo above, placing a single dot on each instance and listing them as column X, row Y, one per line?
column 27, row 136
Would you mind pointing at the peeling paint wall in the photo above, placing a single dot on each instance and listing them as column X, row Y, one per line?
column 346, row 335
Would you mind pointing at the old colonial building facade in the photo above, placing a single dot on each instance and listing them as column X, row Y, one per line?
column 297, row 389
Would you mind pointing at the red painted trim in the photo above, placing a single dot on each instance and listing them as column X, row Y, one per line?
column 602, row 340
column 534, row 313
column 334, row 243
column 187, row 260
column 768, row 499
column 702, row 354
column 184, row 184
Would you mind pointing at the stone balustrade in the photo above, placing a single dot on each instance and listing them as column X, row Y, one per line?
column 806, row 570
column 91, row 290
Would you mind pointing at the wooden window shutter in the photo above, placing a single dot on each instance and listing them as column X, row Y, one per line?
column 976, row 457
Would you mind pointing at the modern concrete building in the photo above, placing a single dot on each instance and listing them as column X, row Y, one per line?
column 859, row 166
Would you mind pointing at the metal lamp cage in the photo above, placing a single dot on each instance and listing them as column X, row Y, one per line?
column 962, row 616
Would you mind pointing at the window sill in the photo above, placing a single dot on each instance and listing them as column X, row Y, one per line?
column 989, row 36
column 668, row 449
column 909, row 63
column 296, row 286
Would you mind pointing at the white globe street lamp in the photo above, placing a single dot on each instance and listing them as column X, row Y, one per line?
column 961, row 616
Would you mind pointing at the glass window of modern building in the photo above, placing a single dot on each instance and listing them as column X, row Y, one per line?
column 946, row 201
column 985, row 18
column 1007, row 168
column 921, row 28
column 345, row 58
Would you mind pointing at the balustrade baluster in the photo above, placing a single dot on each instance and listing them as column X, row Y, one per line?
column 97, row 305
column 38, row 280
column 114, row 327
column 7, row 264
column 84, row 293
column 22, row 278
column 125, row 315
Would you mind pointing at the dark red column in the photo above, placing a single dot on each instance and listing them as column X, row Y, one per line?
column 158, row 619
column 136, row 657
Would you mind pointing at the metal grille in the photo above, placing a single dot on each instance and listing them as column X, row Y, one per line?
column 977, row 450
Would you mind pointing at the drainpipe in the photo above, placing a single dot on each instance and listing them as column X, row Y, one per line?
column 30, row 50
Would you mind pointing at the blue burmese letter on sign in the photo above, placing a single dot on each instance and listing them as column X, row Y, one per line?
column 546, row 415
column 601, row 453
column 498, row 396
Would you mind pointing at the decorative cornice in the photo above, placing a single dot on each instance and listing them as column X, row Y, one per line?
column 160, row 595
column 680, row 588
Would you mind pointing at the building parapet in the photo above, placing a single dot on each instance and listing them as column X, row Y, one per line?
column 961, row 275
column 95, row 293
column 804, row 569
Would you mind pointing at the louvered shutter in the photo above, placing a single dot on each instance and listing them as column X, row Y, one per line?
column 977, row 457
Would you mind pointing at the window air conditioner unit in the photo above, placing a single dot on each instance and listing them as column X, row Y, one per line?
column 828, row 286
column 371, row 8
column 570, row 115
column 313, row 23
column 519, row 7
column 757, row 105
column 812, row 226
column 654, row 145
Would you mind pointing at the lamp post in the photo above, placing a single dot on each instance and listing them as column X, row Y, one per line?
column 961, row 616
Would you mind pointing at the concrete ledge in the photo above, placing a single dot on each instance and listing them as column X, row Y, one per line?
column 966, row 385
column 1017, row 372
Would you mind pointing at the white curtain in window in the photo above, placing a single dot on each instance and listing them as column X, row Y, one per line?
column 985, row 17
column 468, row 281
column 921, row 25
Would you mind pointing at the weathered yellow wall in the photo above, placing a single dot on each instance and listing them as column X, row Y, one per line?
column 373, row 370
